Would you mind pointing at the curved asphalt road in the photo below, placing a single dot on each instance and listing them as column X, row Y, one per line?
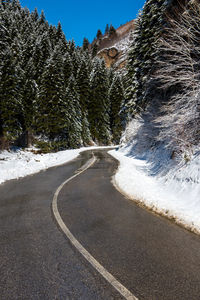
column 150, row 256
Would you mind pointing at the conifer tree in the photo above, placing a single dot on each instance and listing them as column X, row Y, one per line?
column 85, row 132
column 112, row 30
column 29, row 93
column 107, row 29
column 99, row 105
column 141, row 59
column 99, row 34
column 67, row 67
column 10, row 96
column 73, row 129
column 85, row 44
column 71, row 47
column 35, row 15
column 45, row 82
column 41, row 53
column 110, row 75
column 83, row 85
column 60, row 39
column 116, row 97
column 42, row 18
column 83, row 88
column 94, row 49
column 76, row 61
column 51, row 115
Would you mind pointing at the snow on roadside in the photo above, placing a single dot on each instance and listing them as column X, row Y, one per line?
column 175, row 195
column 16, row 164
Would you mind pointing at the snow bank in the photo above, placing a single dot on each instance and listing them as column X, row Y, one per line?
column 174, row 193
column 16, row 164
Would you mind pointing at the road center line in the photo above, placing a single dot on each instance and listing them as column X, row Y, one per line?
column 109, row 277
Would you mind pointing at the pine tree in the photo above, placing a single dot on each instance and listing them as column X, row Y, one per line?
column 94, row 49
column 45, row 82
column 99, row 104
column 86, row 44
column 67, row 67
column 10, row 96
column 141, row 59
column 99, row 34
column 60, row 39
column 71, row 47
column 76, row 61
column 5, row 3
column 107, row 29
column 110, row 74
column 83, row 88
column 83, row 85
column 116, row 97
column 42, row 18
column 29, row 93
column 35, row 15
column 85, row 133
column 41, row 53
column 50, row 99
column 112, row 30
column 74, row 115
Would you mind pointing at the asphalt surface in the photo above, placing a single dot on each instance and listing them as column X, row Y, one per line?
column 36, row 260
column 149, row 255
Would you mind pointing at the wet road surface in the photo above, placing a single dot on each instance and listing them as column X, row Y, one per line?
column 150, row 256
column 36, row 261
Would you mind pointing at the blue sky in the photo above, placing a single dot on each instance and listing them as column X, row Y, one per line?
column 82, row 18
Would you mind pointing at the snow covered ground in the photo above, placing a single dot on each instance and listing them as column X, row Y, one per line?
column 175, row 193
column 16, row 164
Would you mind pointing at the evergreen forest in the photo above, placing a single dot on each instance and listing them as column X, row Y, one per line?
column 53, row 94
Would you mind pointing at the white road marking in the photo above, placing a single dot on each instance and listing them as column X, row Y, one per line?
column 109, row 277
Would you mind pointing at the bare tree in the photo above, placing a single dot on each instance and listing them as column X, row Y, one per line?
column 178, row 71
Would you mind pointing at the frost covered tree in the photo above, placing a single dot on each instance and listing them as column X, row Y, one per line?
column 46, row 83
column 73, row 129
column 51, row 114
column 83, row 82
column 76, row 61
column 83, row 88
column 86, row 44
column 178, row 73
column 67, row 67
column 141, row 59
column 10, row 96
column 116, row 98
column 99, row 106
column 94, row 49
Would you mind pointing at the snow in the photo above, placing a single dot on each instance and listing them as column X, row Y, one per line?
column 20, row 163
column 166, row 187
column 174, row 193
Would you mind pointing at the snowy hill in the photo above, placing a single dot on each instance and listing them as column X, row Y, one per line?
column 160, row 148
column 150, row 176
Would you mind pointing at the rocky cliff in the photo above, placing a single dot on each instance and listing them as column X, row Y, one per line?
column 114, row 48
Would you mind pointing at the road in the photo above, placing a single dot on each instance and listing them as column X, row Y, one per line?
column 152, row 257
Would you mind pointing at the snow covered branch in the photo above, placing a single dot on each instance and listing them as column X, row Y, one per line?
column 178, row 71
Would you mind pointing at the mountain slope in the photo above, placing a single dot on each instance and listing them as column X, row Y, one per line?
column 114, row 48
column 159, row 153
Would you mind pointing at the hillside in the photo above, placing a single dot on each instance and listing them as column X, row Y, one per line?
column 161, row 142
column 114, row 48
